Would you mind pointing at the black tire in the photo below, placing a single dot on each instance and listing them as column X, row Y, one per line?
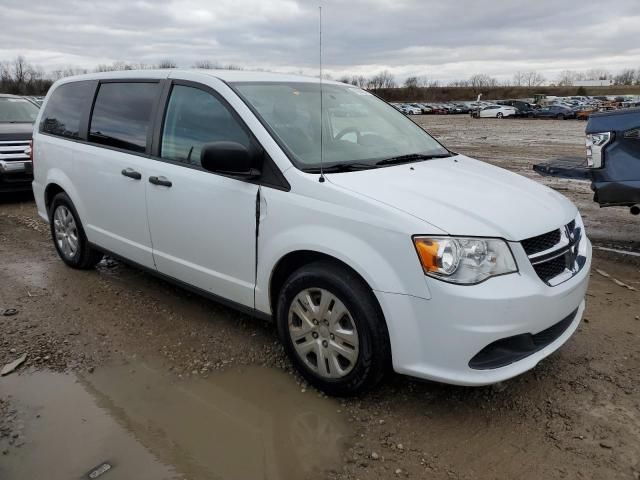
column 561, row 117
column 85, row 257
column 374, row 357
column 499, row 115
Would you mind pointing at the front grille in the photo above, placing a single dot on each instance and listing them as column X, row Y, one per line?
column 541, row 243
column 555, row 256
column 551, row 269
column 14, row 150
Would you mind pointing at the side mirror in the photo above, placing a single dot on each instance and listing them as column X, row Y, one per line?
column 230, row 158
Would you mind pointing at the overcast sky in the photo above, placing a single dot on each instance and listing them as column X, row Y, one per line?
column 444, row 39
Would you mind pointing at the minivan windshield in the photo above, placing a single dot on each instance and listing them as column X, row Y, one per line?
column 358, row 129
column 17, row 110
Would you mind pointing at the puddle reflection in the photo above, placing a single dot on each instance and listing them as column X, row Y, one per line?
column 252, row 423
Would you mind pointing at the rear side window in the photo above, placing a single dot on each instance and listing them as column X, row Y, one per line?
column 122, row 115
column 64, row 109
column 193, row 119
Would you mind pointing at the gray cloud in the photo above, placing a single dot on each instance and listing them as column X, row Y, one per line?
column 443, row 40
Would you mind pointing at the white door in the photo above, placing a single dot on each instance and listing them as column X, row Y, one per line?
column 203, row 225
column 109, row 176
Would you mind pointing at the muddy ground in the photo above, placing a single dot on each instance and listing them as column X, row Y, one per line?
column 132, row 377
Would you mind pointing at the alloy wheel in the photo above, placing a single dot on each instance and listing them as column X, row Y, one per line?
column 66, row 231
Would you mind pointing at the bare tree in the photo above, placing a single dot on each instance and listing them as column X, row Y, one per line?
column 528, row 79
column 359, row 81
column 411, row 82
column 597, row 74
column 481, row 80
column 20, row 68
column 626, row 77
column 458, row 83
column 5, row 72
column 518, row 78
column 383, row 79
column 206, row 64
column 567, row 78
column 166, row 63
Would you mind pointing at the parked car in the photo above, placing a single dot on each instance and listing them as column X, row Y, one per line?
column 494, row 111
column 16, row 124
column 438, row 109
column 523, row 109
column 452, row 108
column 462, row 108
column 409, row 109
column 554, row 111
column 613, row 157
column 218, row 181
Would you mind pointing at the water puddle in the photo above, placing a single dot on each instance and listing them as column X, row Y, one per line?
column 136, row 422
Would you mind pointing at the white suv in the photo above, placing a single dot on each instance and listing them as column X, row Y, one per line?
column 367, row 242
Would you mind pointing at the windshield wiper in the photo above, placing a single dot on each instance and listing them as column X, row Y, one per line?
column 342, row 167
column 412, row 157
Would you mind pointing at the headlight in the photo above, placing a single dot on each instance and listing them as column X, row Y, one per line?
column 464, row 260
column 595, row 143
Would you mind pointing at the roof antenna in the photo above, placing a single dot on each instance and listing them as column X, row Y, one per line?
column 321, row 179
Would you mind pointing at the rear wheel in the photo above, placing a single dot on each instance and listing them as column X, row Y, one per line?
column 68, row 235
column 499, row 115
column 560, row 116
column 332, row 329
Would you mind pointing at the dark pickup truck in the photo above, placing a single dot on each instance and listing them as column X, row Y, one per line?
column 17, row 115
column 613, row 157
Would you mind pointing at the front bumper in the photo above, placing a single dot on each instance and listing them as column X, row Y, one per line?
column 436, row 339
column 15, row 176
column 615, row 193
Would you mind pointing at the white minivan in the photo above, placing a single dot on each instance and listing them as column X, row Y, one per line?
column 368, row 243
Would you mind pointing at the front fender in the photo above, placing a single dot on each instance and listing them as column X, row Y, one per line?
column 385, row 260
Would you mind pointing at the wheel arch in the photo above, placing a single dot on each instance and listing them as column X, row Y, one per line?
column 57, row 182
column 51, row 191
column 296, row 259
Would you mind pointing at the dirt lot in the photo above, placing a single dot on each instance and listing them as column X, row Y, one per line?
column 133, row 377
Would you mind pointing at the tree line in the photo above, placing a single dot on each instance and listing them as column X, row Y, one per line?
column 18, row 76
column 479, row 81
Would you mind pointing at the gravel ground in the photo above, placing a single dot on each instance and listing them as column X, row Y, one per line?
column 577, row 415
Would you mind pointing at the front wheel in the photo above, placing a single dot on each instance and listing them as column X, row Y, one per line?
column 560, row 116
column 332, row 329
column 68, row 235
column 499, row 115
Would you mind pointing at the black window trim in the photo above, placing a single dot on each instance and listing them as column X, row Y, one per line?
column 83, row 123
column 152, row 117
column 277, row 180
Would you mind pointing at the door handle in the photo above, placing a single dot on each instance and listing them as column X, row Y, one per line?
column 160, row 181
column 131, row 173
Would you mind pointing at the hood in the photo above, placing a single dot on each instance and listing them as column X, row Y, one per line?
column 15, row 131
column 462, row 196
